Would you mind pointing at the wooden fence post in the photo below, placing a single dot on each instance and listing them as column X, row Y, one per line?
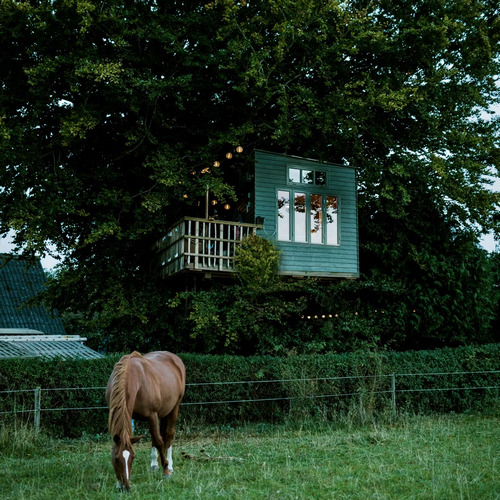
column 37, row 408
column 393, row 392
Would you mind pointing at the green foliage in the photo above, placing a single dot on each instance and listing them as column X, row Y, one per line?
column 366, row 375
column 111, row 112
column 257, row 260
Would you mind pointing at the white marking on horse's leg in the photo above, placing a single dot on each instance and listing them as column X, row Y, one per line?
column 154, row 458
column 126, row 454
column 169, row 459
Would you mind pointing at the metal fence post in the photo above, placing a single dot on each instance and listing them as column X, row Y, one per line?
column 393, row 391
column 38, row 406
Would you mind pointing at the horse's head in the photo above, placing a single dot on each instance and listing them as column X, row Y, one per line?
column 122, row 457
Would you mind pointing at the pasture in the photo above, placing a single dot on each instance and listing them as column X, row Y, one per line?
column 431, row 457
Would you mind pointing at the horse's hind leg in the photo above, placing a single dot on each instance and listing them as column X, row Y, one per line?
column 167, row 429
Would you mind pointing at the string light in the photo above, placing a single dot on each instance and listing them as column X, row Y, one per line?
column 216, row 164
column 214, row 202
column 356, row 313
column 239, row 149
column 229, row 155
column 227, row 206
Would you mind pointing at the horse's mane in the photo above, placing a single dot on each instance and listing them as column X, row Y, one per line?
column 119, row 420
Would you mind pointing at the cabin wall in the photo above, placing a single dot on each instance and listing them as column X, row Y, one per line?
column 312, row 259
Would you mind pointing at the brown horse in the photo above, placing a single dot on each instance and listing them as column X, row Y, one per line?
column 150, row 388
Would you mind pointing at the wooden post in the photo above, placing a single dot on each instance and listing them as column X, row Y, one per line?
column 393, row 392
column 37, row 408
column 206, row 203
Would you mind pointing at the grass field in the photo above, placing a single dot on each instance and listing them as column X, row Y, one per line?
column 440, row 457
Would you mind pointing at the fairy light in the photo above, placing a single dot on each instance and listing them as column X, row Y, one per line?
column 239, row 149
column 216, row 164
column 229, row 155
column 356, row 313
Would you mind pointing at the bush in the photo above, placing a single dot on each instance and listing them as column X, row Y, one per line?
column 291, row 383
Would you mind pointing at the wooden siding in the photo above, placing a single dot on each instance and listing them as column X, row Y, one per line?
column 308, row 259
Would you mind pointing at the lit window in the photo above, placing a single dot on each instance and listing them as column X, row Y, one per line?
column 314, row 218
column 284, row 215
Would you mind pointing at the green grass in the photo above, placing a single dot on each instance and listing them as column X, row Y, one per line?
column 439, row 457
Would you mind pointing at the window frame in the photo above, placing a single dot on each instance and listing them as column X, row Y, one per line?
column 293, row 188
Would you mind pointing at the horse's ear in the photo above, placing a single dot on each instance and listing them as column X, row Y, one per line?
column 116, row 439
column 135, row 439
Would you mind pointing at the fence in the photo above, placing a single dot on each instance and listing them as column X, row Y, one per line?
column 393, row 387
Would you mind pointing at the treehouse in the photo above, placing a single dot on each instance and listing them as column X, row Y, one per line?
column 307, row 208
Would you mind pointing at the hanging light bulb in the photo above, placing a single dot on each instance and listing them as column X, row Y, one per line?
column 216, row 164
column 229, row 155
column 214, row 202
column 239, row 149
column 227, row 206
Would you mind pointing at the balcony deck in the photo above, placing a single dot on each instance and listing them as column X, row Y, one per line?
column 201, row 245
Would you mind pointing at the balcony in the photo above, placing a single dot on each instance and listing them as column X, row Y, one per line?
column 201, row 245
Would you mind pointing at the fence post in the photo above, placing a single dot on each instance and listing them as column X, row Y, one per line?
column 37, row 408
column 393, row 392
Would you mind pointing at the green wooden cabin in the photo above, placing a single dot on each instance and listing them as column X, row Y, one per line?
column 307, row 208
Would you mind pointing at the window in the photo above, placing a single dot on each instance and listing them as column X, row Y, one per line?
column 306, row 176
column 283, row 215
column 313, row 218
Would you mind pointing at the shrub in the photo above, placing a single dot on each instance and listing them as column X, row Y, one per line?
column 359, row 384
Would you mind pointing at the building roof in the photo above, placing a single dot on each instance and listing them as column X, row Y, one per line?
column 21, row 280
column 28, row 330
column 19, row 343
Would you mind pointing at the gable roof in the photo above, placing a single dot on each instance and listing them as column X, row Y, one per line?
column 21, row 280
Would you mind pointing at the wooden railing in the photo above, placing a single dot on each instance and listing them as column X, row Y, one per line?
column 201, row 245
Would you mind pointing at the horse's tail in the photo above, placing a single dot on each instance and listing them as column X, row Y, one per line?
column 119, row 422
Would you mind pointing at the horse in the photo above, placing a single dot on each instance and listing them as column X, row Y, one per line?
column 144, row 387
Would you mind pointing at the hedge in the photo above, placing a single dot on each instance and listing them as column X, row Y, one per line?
column 299, row 378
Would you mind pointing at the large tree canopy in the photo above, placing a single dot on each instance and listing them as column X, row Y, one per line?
column 111, row 110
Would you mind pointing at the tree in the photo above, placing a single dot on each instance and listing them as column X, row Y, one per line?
column 110, row 112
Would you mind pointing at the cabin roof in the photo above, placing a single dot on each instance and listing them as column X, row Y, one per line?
column 301, row 158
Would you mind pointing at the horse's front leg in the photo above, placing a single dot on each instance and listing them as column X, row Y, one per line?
column 154, row 458
column 167, row 429
column 158, row 444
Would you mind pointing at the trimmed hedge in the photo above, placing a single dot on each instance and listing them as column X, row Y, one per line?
column 298, row 378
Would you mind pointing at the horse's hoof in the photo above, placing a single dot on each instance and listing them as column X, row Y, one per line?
column 154, row 467
column 167, row 476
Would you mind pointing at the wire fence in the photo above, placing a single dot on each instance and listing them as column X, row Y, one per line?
column 395, row 382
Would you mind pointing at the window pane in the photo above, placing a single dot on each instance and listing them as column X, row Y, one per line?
column 320, row 178
column 283, row 215
column 331, row 221
column 307, row 177
column 294, row 175
column 316, row 219
column 300, row 218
